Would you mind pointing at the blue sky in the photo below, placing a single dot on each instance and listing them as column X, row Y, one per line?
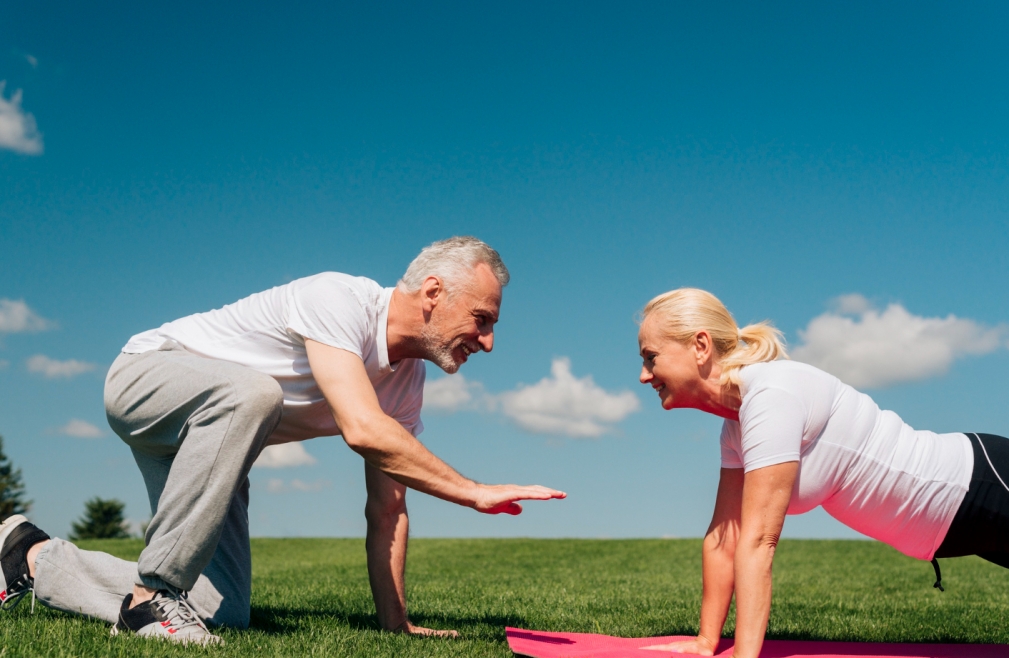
column 840, row 169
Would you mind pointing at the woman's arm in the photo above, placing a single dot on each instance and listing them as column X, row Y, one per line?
column 717, row 559
column 766, row 492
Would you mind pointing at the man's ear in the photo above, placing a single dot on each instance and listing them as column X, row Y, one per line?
column 432, row 292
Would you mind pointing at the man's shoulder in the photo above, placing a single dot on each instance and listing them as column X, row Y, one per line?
column 331, row 287
column 356, row 283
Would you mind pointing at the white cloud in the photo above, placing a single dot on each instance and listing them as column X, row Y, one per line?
column 32, row 60
column 16, row 317
column 81, row 429
column 563, row 404
column 869, row 348
column 53, row 369
column 284, row 455
column 453, row 393
column 276, row 485
column 17, row 129
column 560, row 404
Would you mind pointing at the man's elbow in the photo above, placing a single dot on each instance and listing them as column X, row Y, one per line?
column 359, row 435
column 386, row 512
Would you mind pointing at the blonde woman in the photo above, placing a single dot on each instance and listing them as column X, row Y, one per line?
column 795, row 438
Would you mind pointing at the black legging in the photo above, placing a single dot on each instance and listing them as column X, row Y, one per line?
column 981, row 524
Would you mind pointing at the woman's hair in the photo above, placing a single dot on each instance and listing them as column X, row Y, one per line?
column 684, row 312
column 453, row 261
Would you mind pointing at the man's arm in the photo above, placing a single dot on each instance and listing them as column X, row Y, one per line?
column 388, row 530
column 388, row 447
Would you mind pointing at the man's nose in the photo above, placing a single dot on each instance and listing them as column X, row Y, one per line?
column 486, row 341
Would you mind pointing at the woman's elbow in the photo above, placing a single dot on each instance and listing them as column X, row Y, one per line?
column 765, row 542
column 720, row 540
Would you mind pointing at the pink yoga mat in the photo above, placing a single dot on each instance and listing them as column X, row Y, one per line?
column 541, row 644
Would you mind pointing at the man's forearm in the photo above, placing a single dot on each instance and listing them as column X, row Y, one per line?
column 388, row 447
column 386, row 545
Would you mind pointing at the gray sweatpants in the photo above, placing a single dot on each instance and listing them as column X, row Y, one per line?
column 195, row 426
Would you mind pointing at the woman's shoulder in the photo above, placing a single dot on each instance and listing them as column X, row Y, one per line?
column 792, row 376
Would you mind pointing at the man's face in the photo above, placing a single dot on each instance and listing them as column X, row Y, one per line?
column 463, row 323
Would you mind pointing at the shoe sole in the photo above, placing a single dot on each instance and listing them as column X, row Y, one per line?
column 7, row 527
column 164, row 638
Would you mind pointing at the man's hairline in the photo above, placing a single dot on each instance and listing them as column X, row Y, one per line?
column 450, row 288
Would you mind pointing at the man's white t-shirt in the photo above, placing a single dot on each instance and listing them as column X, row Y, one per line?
column 866, row 467
column 267, row 332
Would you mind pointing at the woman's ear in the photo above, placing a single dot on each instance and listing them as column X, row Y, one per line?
column 703, row 347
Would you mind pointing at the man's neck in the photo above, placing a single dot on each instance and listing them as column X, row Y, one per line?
column 403, row 326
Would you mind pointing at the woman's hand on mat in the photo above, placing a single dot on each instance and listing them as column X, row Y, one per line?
column 501, row 498
column 407, row 628
column 699, row 646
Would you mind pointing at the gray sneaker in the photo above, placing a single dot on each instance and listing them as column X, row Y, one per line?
column 167, row 616
column 17, row 535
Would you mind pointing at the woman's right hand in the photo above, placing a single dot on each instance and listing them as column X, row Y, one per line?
column 699, row 646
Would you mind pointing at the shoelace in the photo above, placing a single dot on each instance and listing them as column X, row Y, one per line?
column 177, row 611
column 16, row 591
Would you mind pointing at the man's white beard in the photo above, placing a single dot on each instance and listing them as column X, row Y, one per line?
column 437, row 351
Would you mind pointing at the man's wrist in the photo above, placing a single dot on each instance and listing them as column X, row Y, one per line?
column 401, row 627
column 474, row 494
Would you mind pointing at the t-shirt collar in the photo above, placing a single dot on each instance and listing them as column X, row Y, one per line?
column 381, row 340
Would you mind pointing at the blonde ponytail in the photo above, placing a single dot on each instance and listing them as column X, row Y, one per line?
column 684, row 312
column 760, row 342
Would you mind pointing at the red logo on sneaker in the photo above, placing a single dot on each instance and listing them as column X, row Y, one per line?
column 172, row 630
column 166, row 623
column 3, row 595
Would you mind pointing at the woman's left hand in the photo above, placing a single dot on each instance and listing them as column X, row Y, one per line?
column 699, row 646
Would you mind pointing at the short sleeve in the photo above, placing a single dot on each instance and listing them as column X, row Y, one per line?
column 401, row 395
column 407, row 413
column 729, row 441
column 771, row 423
column 328, row 311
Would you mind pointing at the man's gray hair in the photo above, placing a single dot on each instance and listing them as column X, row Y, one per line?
column 452, row 260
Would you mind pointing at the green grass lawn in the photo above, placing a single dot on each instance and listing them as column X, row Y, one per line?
column 311, row 597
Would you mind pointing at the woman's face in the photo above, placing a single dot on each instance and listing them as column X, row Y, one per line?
column 671, row 368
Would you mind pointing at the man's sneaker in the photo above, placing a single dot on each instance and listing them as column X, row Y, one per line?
column 17, row 535
column 168, row 616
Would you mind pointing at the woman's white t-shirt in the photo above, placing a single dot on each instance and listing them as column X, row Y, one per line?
column 267, row 332
column 866, row 467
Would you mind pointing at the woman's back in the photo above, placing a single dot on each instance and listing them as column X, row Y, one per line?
column 865, row 466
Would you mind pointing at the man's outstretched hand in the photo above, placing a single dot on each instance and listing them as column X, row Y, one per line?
column 501, row 498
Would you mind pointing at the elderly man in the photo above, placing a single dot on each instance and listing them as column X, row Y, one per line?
column 197, row 400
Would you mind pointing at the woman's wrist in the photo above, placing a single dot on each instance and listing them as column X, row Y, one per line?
column 708, row 642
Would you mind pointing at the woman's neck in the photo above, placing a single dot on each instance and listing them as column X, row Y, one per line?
column 723, row 401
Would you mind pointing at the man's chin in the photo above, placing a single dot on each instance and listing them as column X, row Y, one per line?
column 449, row 369
column 449, row 365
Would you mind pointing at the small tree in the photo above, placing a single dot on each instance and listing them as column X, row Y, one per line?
column 103, row 519
column 12, row 488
